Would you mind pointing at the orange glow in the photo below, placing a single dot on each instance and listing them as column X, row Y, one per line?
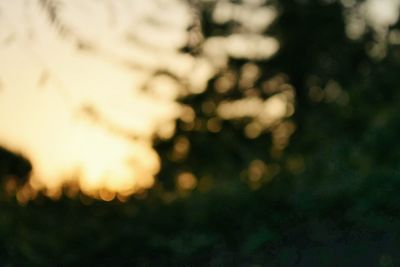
column 186, row 181
column 106, row 195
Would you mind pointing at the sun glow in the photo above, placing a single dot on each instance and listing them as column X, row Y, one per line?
column 47, row 125
column 84, row 117
column 86, row 87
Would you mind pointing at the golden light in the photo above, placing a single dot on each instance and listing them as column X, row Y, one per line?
column 82, row 115
column 80, row 95
column 186, row 181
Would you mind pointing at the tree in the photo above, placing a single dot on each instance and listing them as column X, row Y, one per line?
column 317, row 185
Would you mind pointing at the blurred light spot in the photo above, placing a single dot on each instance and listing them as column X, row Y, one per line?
column 257, row 170
column 226, row 82
column 355, row 25
column 378, row 14
column 187, row 114
column 332, row 91
column 166, row 131
column 201, row 72
column 181, row 148
column 54, row 193
column 280, row 137
column 251, row 15
column 253, row 130
column 251, row 46
column 290, row 109
column 223, row 12
column 71, row 189
column 122, row 198
column 376, row 50
column 382, row 13
column 10, row 185
column 214, row 125
column 273, row 85
column 239, row 45
column 274, row 109
column 248, row 107
column 163, row 87
column 186, row 181
column 264, row 113
column 255, row 3
column 348, row 3
column 24, row 195
column 182, row 145
column 208, row 107
column 249, row 74
column 106, row 195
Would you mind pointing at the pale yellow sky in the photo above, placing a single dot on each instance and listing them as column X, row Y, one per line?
column 70, row 111
column 47, row 83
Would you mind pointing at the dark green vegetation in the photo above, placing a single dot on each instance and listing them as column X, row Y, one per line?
column 329, row 198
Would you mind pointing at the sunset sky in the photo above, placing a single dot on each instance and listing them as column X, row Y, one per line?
column 82, row 113
column 48, row 85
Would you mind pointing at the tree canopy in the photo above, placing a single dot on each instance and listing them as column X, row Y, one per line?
column 287, row 156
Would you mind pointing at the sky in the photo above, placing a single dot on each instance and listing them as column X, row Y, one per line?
column 83, row 115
